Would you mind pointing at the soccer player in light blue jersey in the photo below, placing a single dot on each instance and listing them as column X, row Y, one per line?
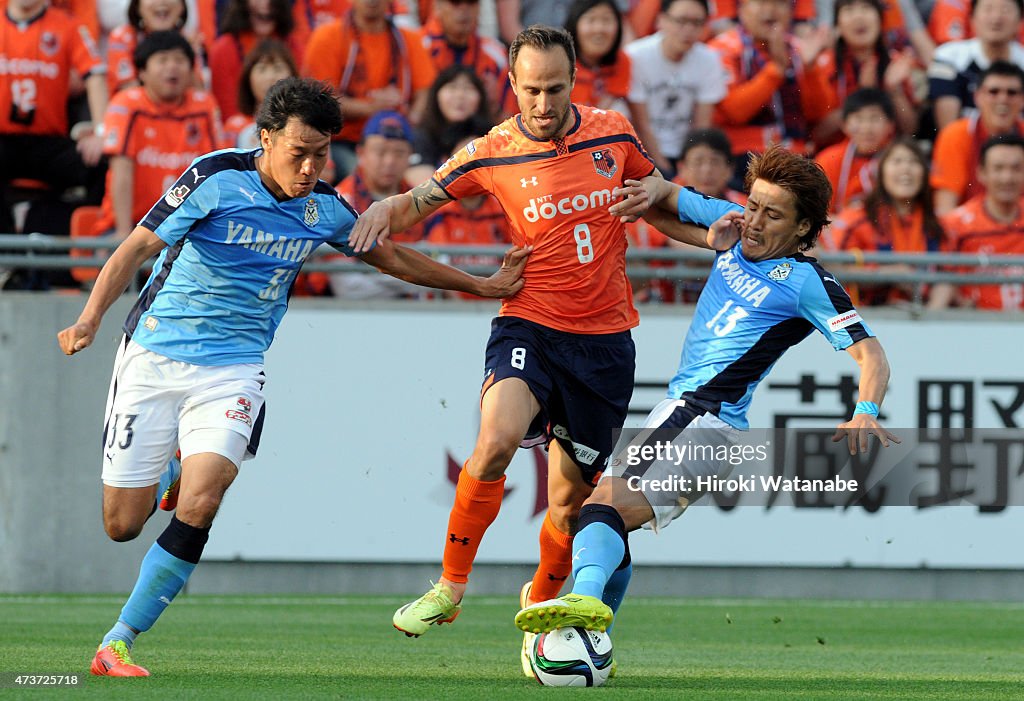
column 232, row 234
column 762, row 297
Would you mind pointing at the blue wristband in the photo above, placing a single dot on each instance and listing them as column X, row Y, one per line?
column 866, row 408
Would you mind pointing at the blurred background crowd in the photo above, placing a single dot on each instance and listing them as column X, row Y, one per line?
column 912, row 107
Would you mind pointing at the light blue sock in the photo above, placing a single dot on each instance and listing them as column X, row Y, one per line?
column 597, row 551
column 161, row 577
column 120, row 631
column 615, row 589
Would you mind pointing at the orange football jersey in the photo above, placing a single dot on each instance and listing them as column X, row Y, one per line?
column 971, row 229
column 37, row 57
column 161, row 140
column 556, row 195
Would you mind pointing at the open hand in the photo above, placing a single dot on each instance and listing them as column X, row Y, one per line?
column 858, row 431
column 509, row 278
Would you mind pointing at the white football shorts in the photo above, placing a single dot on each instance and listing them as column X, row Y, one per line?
column 157, row 405
column 652, row 476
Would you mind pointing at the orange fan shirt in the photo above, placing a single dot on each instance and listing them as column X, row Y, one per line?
column 851, row 173
column 161, row 140
column 950, row 20
column 486, row 56
column 956, row 155
column 556, row 195
column 84, row 12
column 356, row 63
column 593, row 85
column 971, row 229
column 37, row 57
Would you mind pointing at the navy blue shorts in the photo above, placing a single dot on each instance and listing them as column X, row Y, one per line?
column 583, row 383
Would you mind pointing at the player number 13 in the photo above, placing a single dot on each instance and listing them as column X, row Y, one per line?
column 729, row 323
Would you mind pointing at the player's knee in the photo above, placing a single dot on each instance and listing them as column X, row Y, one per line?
column 492, row 455
column 199, row 510
column 120, row 529
column 564, row 516
column 564, row 508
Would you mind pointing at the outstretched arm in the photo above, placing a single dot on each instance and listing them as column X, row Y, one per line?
column 141, row 245
column 412, row 266
column 708, row 222
column 874, row 378
column 396, row 213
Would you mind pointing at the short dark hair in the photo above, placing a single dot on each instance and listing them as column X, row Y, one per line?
column 1003, row 68
column 999, row 140
column 268, row 49
column 715, row 139
column 582, row 7
column 312, row 101
column 1018, row 3
column 543, row 37
column 665, row 4
column 803, row 178
column 156, row 42
column 869, row 97
column 135, row 17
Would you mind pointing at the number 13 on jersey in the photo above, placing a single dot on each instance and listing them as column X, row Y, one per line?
column 729, row 323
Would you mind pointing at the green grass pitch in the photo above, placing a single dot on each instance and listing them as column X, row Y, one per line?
column 344, row 647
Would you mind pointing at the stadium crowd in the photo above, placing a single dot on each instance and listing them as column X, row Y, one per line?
column 912, row 108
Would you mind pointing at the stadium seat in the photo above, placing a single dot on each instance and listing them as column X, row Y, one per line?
column 83, row 223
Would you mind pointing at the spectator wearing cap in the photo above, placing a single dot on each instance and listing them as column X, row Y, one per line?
column 154, row 131
column 382, row 157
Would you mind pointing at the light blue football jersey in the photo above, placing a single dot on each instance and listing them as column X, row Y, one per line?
column 748, row 315
column 219, row 290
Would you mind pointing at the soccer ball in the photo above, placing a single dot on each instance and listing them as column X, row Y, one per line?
column 571, row 657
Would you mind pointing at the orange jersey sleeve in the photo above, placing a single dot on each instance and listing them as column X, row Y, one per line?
column 377, row 59
column 951, row 161
column 84, row 11
column 556, row 195
column 35, row 83
column 160, row 141
column 120, row 66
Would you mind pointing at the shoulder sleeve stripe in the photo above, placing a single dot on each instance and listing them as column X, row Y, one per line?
column 839, row 299
column 612, row 139
column 201, row 169
column 491, row 163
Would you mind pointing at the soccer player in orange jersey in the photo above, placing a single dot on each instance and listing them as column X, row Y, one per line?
column 560, row 360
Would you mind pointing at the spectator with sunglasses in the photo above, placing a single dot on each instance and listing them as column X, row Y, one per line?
column 1000, row 99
